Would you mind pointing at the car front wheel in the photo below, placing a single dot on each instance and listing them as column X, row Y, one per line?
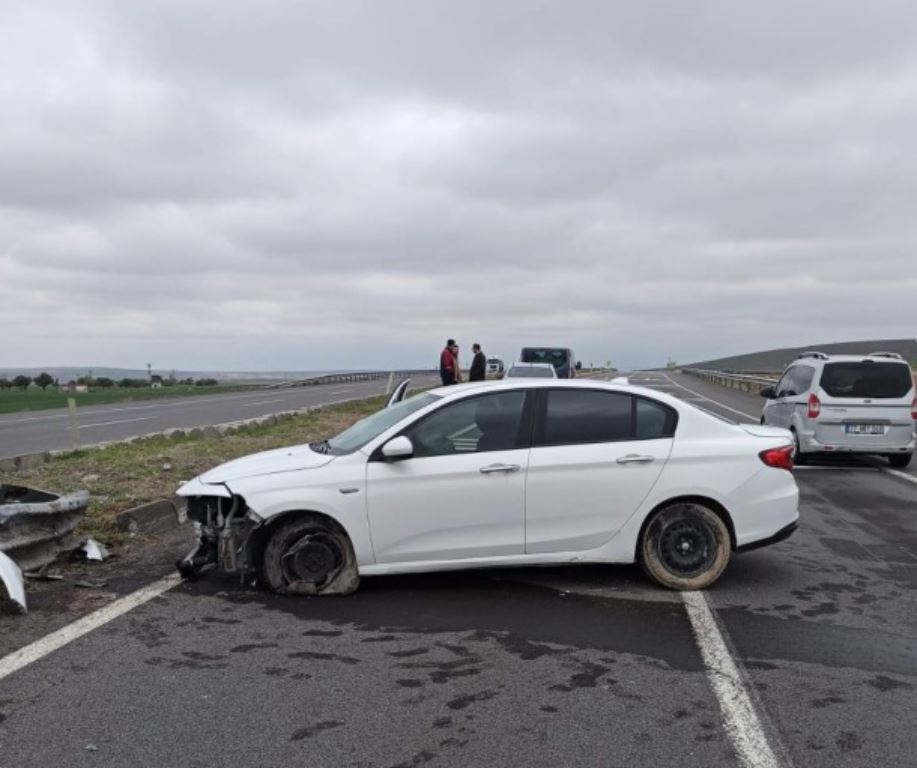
column 310, row 556
column 685, row 546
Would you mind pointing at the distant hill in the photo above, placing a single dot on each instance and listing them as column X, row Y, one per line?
column 777, row 359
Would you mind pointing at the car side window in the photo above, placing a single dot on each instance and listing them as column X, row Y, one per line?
column 574, row 416
column 785, row 385
column 654, row 420
column 802, row 378
column 475, row 425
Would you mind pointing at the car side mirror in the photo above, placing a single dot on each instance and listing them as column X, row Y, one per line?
column 398, row 448
column 769, row 393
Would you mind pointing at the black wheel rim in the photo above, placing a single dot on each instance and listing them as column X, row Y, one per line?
column 315, row 558
column 687, row 547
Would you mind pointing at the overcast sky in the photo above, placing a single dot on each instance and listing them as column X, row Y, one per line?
column 304, row 185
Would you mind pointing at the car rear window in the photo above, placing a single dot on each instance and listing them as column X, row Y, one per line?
column 556, row 357
column 866, row 379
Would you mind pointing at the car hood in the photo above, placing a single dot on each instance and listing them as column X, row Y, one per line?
column 266, row 463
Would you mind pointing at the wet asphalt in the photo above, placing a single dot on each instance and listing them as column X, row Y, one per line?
column 577, row 666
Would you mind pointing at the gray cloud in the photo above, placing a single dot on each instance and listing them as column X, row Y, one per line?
column 212, row 185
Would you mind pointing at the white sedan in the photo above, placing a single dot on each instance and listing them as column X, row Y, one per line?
column 511, row 473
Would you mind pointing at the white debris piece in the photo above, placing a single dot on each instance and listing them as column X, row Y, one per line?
column 94, row 550
column 11, row 577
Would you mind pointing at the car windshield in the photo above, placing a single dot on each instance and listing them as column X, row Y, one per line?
column 556, row 357
column 355, row 437
column 530, row 372
column 872, row 380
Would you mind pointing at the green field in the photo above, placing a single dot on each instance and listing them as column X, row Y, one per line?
column 34, row 399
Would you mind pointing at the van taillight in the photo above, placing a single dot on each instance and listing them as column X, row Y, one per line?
column 814, row 406
column 914, row 409
column 779, row 458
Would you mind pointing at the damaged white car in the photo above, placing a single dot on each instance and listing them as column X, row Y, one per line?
column 524, row 472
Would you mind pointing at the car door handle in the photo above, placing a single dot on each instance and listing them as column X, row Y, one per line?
column 492, row 468
column 633, row 458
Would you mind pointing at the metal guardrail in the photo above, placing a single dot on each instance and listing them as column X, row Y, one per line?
column 742, row 381
column 343, row 378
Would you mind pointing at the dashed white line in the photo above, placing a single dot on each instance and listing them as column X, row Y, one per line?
column 50, row 643
column 262, row 402
column 710, row 400
column 117, row 421
column 740, row 719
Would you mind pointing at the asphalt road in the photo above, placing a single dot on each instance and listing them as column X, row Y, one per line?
column 578, row 666
column 32, row 432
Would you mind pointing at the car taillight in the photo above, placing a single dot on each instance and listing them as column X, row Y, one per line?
column 914, row 409
column 814, row 406
column 779, row 458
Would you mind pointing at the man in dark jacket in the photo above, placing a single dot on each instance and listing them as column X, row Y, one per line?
column 447, row 363
column 478, row 370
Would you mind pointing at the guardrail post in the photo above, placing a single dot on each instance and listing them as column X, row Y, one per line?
column 74, row 424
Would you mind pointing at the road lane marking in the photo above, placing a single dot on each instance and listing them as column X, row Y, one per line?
column 898, row 473
column 49, row 643
column 711, row 400
column 263, row 402
column 740, row 719
column 117, row 421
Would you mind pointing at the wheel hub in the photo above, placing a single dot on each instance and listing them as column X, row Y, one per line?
column 687, row 547
column 315, row 558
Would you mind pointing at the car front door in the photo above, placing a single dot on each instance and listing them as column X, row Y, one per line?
column 595, row 457
column 462, row 492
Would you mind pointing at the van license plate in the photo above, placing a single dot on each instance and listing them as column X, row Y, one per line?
column 864, row 429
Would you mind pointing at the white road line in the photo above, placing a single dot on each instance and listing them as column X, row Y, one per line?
column 710, row 400
column 56, row 640
column 117, row 421
column 739, row 717
column 899, row 474
column 262, row 402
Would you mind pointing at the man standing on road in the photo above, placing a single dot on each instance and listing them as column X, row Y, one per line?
column 478, row 371
column 447, row 364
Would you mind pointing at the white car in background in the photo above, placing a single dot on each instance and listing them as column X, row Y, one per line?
column 511, row 473
column 531, row 371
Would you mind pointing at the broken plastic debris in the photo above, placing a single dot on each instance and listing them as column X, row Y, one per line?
column 90, row 584
column 43, row 574
column 12, row 580
column 94, row 550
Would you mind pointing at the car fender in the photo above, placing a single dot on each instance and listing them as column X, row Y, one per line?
column 336, row 495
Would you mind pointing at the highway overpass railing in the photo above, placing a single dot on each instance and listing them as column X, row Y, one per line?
column 745, row 382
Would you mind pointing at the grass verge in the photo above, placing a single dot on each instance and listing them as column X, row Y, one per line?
column 127, row 474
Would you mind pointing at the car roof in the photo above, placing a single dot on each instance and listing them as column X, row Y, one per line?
column 848, row 359
column 481, row 386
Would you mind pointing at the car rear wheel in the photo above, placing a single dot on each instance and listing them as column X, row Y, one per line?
column 310, row 556
column 900, row 459
column 685, row 546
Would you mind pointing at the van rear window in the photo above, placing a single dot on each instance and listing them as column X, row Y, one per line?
column 556, row 357
column 871, row 380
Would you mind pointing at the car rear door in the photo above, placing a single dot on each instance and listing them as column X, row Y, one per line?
column 595, row 456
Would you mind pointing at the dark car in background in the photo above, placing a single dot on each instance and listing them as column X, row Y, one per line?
column 562, row 358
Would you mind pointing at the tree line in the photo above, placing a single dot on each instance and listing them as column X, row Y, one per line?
column 45, row 380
